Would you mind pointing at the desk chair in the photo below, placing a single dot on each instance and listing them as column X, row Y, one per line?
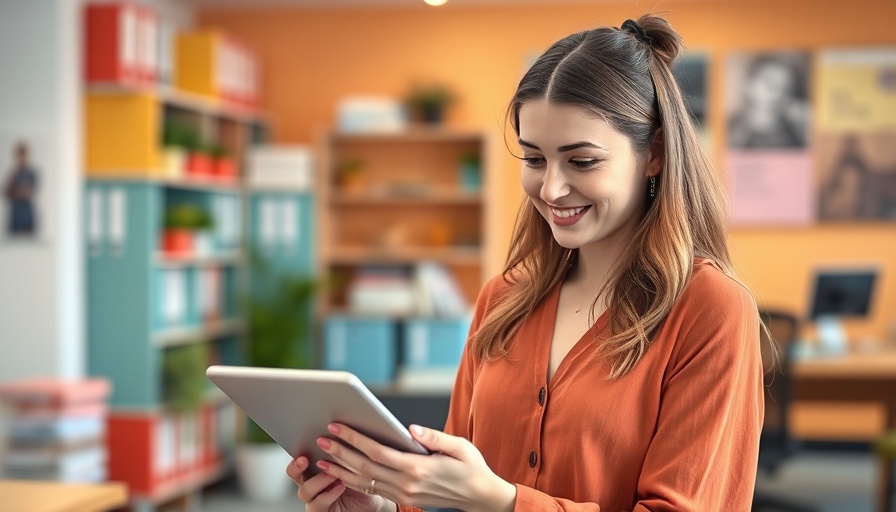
column 886, row 450
column 776, row 444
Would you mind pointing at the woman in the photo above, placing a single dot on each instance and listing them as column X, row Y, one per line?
column 614, row 365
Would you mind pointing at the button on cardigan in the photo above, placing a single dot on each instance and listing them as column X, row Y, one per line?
column 680, row 432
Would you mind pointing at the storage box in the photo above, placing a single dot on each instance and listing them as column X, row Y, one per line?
column 365, row 347
column 121, row 44
column 431, row 343
column 287, row 167
column 211, row 63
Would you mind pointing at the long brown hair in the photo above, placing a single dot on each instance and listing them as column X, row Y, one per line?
column 625, row 76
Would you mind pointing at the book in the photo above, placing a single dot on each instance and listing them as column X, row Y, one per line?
column 54, row 392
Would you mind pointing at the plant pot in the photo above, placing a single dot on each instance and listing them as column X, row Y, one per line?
column 174, row 161
column 261, row 471
column 177, row 241
column 433, row 114
column 225, row 169
column 199, row 164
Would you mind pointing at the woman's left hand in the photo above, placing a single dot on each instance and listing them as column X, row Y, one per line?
column 454, row 476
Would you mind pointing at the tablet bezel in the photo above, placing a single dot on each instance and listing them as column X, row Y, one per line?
column 296, row 420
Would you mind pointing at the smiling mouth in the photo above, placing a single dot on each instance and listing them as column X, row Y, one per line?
column 565, row 213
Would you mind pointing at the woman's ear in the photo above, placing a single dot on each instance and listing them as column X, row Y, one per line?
column 656, row 154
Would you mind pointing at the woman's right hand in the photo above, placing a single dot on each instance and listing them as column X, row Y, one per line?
column 323, row 493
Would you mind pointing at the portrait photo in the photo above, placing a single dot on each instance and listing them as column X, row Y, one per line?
column 767, row 100
column 21, row 176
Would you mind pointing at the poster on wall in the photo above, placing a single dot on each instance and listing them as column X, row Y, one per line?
column 767, row 136
column 856, row 153
column 23, row 161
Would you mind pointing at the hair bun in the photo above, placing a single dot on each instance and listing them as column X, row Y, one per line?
column 665, row 41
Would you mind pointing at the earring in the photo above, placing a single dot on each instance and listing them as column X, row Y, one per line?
column 653, row 186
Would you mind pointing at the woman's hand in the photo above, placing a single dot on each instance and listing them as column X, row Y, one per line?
column 454, row 476
column 325, row 493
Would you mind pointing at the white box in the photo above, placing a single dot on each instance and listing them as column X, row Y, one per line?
column 287, row 167
column 370, row 114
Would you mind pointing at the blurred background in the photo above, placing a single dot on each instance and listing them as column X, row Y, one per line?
column 326, row 184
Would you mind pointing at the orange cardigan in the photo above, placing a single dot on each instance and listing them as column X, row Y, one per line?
column 680, row 432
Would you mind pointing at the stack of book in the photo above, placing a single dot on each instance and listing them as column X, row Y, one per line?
column 56, row 429
column 384, row 290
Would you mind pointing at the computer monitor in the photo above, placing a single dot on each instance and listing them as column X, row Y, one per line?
column 840, row 294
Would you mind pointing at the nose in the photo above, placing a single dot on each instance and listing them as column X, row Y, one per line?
column 554, row 185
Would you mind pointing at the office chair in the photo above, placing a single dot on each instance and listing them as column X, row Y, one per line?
column 776, row 445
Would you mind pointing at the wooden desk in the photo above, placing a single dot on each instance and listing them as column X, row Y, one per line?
column 852, row 380
column 859, row 390
column 36, row 496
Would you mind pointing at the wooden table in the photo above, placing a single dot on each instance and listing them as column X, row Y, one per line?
column 34, row 496
column 855, row 377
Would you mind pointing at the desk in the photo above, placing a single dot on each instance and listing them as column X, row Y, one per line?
column 35, row 496
column 852, row 378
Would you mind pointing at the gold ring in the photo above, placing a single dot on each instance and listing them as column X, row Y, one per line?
column 370, row 490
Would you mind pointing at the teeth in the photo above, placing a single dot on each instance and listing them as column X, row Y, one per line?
column 567, row 212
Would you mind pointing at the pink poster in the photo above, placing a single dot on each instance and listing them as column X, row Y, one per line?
column 770, row 188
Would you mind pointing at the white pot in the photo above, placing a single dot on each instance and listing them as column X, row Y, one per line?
column 174, row 161
column 203, row 242
column 261, row 470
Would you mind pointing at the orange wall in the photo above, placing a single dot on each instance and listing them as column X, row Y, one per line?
column 312, row 57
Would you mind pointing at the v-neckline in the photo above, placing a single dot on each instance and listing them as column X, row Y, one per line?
column 549, row 319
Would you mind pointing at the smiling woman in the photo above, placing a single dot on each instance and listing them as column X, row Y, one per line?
column 653, row 401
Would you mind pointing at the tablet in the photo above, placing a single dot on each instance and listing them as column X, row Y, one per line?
column 295, row 406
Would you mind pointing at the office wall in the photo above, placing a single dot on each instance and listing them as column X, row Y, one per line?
column 312, row 57
column 41, row 280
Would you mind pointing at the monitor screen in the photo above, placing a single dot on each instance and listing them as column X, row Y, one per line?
column 843, row 293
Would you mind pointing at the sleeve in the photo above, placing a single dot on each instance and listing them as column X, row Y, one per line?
column 704, row 452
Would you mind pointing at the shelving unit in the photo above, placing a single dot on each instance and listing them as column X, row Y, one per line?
column 142, row 301
column 399, row 200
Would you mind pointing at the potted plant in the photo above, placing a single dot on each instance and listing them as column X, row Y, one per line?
column 199, row 162
column 223, row 164
column 186, row 230
column 174, row 152
column 427, row 103
column 278, row 312
column 349, row 175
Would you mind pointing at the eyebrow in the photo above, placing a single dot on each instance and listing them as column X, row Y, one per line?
column 565, row 148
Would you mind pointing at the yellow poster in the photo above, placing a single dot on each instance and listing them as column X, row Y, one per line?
column 857, row 90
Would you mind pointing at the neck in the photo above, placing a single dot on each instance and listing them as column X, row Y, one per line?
column 594, row 265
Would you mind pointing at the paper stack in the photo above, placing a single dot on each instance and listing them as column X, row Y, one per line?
column 56, row 429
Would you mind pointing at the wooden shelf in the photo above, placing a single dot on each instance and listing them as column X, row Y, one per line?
column 435, row 198
column 371, row 255
column 163, row 260
column 185, row 100
column 209, row 184
column 411, row 135
column 196, row 334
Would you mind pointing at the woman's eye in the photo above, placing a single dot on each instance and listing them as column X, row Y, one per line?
column 533, row 161
column 583, row 164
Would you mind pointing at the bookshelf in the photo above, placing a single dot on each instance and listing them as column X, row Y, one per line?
column 397, row 201
column 145, row 300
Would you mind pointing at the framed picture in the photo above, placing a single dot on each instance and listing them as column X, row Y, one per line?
column 23, row 160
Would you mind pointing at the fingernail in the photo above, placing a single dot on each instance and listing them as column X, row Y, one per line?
column 417, row 430
column 323, row 465
column 333, row 428
column 301, row 462
column 323, row 442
